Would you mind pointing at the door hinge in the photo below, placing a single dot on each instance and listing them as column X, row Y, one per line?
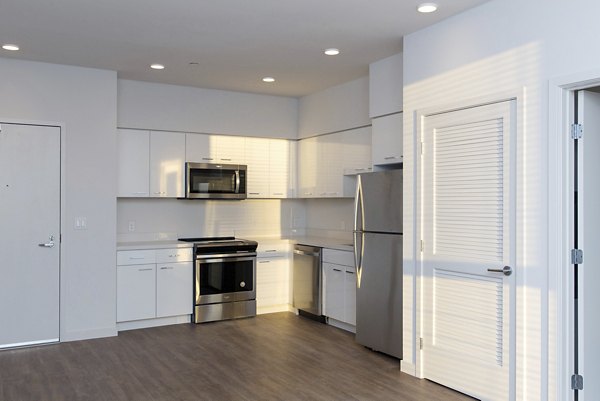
column 576, row 256
column 576, row 131
column 576, row 382
column 422, row 246
column 420, row 342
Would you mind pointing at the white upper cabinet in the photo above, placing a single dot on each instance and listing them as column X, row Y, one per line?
column 387, row 139
column 257, row 159
column 385, row 86
column 167, row 154
column 133, row 158
column 325, row 161
column 204, row 148
column 281, row 172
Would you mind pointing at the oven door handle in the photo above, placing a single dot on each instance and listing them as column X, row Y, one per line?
column 223, row 258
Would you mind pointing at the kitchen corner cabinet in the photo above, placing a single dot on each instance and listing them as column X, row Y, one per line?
column 154, row 283
column 150, row 164
column 257, row 161
column 339, row 286
column 324, row 161
column 387, row 139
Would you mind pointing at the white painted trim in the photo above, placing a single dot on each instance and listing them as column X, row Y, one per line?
column 30, row 343
column 559, row 170
column 519, row 367
column 88, row 334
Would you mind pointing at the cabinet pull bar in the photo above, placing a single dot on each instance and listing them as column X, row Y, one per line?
column 389, row 157
column 336, row 270
column 145, row 270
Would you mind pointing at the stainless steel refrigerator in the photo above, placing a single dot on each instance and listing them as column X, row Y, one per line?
column 378, row 259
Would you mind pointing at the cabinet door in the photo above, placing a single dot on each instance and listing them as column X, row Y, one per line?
column 167, row 154
column 385, row 86
column 272, row 281
column 308, row 156
column 200, row 148
column 334, row 291
column 356, row 155
column 133, row 158
column 257, row 159
column 350, row 295
column 174, row 289
column 330, row 165
column 387, row 139
column 230, row 149
column 136, row 292
column 280, row 178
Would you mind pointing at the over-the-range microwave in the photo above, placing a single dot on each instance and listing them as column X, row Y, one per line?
column 215, row 181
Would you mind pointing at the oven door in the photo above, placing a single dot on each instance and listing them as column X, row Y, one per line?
column 224, row 278
column 215, row 181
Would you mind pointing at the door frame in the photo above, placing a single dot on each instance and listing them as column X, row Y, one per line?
column 62, row 215
column 519, row 95
column 560, row 170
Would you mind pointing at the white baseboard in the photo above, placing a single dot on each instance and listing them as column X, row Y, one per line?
column 161, row 321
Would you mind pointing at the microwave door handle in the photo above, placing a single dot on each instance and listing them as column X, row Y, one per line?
column 237, row 181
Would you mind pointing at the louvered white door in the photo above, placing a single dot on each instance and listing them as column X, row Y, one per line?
column 468, row 216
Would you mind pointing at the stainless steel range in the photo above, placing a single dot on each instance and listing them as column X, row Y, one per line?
column 224, row 278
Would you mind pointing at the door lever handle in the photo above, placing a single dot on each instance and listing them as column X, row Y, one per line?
column 506, row 270
column 48, row 244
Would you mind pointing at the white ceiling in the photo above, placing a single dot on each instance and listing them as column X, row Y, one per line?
column 234, row 42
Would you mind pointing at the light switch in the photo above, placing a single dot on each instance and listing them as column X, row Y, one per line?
column 81, row 223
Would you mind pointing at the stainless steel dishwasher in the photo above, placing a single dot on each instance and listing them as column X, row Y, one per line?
column 307, row 282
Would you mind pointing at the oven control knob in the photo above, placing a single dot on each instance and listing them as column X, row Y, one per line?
column 242, row 284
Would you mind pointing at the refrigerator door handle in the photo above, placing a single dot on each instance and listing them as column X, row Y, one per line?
column 357, row 258
column 359, row 208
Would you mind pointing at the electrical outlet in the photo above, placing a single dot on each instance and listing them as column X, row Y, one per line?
column 131, row 226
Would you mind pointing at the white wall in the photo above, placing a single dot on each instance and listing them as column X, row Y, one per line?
column 174, row 218
column 181, row 108
column 335, row 216
column 503, row 46
column 334, row 109
column 84, row 100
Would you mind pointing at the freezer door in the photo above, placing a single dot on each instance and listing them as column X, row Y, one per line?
column 378, row 204
column 379, row 292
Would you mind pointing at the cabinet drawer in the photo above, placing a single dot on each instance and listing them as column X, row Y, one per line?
column 274, row 249
column 135, row 257
column 174, row 255
column 344, row 258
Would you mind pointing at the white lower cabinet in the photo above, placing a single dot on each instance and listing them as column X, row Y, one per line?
column 174, row 289
column 136, row 292
column 339, row 286
column 154, row 284
column 273, row 279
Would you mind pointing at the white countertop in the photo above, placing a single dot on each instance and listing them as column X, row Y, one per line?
column 130, row 246
column 323, row 242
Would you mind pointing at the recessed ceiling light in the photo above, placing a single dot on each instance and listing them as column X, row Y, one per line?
column 268, row 79
column 332, row 52
column 10, row 47
column 427, row 7
column 157, row 67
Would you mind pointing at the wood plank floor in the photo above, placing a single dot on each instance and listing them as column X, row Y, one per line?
column 271, row 357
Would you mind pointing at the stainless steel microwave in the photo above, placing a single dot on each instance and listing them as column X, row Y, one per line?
column 215, row 181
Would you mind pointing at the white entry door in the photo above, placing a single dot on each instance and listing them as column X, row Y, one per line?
column 588, row 273
column 29, row 234
column 468, row 260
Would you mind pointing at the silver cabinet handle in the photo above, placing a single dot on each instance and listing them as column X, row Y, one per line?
column 227, row 160
column 264, row 261
column 277, row 193
column 207, row 158
column 145, row 270
column 49, row 244
column 136, row 257
column 349, row 272
column 337, row 270
column 167, row 268
column 389, row 157
column 506, row 270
